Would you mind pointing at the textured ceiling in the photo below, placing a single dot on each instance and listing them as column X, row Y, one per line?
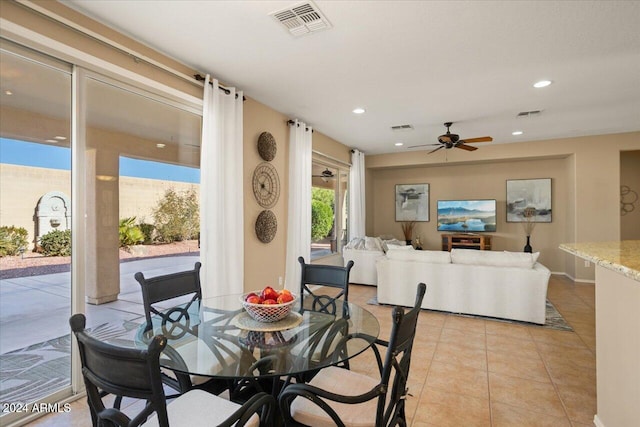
column 412, row 62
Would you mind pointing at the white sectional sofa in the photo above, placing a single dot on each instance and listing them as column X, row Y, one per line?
column 364, row 265
column 365, row 252
column 509, row 285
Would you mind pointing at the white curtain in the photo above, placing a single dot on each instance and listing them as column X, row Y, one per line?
column 221, row 192
column 299, row 210
column 357, row 207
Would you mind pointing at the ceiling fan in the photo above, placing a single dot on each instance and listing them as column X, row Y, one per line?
column 451, row 140
column 325, row 175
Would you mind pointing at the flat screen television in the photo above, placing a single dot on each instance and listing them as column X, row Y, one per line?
column 467, row 216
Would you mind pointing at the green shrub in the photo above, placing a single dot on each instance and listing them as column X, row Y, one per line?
column 324, row 195
column 177, row 216
column 56, row 243
column 321, row 220
column 12, row 240
column 148, row 231
column 130, row 234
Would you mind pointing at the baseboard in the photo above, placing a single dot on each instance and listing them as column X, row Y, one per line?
column 573, row 279
column 597, row 421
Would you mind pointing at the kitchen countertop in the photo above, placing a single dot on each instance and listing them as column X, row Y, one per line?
column 622, row 256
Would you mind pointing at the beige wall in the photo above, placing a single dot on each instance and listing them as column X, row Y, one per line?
column 265, row 262
column 586, row 173
column 630, row 176
column 477, row 181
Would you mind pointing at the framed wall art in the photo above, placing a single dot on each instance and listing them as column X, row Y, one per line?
column 412, row 202
column 529, row 200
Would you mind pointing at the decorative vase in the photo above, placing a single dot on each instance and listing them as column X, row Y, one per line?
column 527, row 247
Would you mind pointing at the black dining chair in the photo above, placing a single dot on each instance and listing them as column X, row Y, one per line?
column 340, row 397
column 135, row 373
column 321, row 344
column 331, row 276
column 176, row 321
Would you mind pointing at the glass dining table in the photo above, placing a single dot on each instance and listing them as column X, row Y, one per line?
column 215, row 337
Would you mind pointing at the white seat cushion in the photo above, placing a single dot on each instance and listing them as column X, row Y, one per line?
column 198, row 408
column 339, row 381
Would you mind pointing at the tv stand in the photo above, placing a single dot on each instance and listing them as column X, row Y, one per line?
column 466, row 241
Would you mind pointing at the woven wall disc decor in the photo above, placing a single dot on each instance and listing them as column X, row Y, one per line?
column 266, row 226
column 266, row 185
column 267, row 146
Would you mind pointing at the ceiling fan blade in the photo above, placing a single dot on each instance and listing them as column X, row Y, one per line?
column 466, row 147
column 480, row 139
column 439, row 148
column 423, row 145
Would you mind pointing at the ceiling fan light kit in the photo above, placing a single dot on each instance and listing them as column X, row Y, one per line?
column 451, row 140
column 325, row 175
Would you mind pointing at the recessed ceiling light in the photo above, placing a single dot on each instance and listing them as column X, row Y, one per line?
column 542, row 83
column 399, row 144
column 160, row 145
column 8, row 92
column 53, row 141
column 60, row 138
column 517, row 132
column 359, row 110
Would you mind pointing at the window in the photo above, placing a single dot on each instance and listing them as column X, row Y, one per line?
column 328, row 208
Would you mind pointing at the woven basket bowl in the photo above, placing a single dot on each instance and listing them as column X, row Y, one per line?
column 267, row 313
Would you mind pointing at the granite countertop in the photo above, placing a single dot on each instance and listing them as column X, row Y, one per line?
column 622, row 256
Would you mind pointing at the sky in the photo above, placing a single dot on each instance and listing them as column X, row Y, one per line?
column 47, row 156
column 482, row 205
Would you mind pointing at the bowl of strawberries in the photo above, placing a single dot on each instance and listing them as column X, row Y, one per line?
column 268, row 305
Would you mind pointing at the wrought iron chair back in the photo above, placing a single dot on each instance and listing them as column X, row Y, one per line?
column 324, row 275
column 390, row 392
column 124, row 372
column 166, row 287
column 135, row 373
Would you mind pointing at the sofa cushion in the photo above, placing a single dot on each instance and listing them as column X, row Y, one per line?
column 355, row 243
column 432, row 257
column 494, row 258
column 372, row 244
column 386, row 243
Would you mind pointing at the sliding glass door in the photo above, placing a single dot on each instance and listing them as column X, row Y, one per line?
column 131, row 151
column 35, row 228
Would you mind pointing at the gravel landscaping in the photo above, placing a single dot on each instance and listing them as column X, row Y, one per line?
column 34, row 264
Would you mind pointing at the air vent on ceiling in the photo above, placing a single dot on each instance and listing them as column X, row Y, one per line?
column 302, row 18
column 401, row 128
column 529, row 113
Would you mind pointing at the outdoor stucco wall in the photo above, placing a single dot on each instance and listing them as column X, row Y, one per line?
column 22, row 186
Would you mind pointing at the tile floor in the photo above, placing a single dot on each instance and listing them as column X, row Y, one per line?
column 474, row 372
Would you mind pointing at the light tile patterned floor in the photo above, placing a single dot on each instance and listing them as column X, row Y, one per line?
column 475, row 372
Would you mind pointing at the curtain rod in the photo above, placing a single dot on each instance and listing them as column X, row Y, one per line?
column 201, row 78
column 291, row 122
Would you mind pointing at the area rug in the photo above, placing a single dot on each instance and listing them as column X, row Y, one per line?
column 554, row 319
column 30, row 373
